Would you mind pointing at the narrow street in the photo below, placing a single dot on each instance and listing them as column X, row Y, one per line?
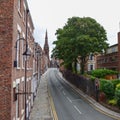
column 68, row 103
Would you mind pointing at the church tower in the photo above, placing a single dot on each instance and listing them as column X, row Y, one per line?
column 46, row 46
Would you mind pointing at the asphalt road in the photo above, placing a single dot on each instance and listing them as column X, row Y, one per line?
column 68, row 103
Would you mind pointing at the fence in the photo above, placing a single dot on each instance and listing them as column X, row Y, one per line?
column 84, row 84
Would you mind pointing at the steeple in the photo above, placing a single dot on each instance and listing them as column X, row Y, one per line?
column 46, row 46
column 46, row 38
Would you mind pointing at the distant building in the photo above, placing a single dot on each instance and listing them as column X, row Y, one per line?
column 111, row 59
column 37, row 68
column 91, row 63
column 46, row 45
column 46, row 52
column 54, row 63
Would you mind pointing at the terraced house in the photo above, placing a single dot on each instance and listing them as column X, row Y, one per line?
column 16, row 69
column 111, row 59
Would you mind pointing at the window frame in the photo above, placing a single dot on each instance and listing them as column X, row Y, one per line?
column 18, row 50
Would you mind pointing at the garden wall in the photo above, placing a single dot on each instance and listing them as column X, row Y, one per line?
column 84, row 84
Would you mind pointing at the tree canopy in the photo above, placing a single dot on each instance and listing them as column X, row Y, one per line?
column 77, row 39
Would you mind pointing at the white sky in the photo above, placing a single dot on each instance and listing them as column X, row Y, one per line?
column 53, row 14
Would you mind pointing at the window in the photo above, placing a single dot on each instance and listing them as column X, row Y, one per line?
column 14, row 94
column 91, row 67
column 24, row 15
column 23, row 49
column 91, row 57
column 18, row 50
column 17, row 102
column 19, row 5
column 23, row 98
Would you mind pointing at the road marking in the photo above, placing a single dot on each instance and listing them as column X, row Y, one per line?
column 76, row 100
column 54, row 113
column 77, row 109
column 61, row 88
column 69, row 100
column 64, row 93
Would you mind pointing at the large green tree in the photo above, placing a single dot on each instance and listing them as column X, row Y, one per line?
column 77, row 39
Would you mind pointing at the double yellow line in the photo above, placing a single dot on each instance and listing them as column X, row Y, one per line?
column 55, row 117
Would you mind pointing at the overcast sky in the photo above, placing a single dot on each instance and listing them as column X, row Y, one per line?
column 53, row 14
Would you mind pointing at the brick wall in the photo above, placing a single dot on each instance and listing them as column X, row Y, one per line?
column 119, row 51
column 110, row 60
column 6, row 23
column 12, row 20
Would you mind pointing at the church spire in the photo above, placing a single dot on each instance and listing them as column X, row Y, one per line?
column 46, row 37
column 46, row 46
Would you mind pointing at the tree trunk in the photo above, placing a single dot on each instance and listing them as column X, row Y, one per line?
column 75, row 66
column 82, row 65
column 69, row 67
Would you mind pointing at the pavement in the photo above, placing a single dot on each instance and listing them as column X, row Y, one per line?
column 43, row 108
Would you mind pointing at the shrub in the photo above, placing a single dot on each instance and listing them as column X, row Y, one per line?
column 112, row 102
column 108, row 88
column 102, row 82
column 101, row 73
column 117, row 94
column 115, row 82
column 92, row 78
column 117, row 87
column 118, row 102
column 117, row 91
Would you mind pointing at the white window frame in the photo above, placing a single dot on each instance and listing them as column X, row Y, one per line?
column 19, row 5
column 23, row 44
column 18, row 51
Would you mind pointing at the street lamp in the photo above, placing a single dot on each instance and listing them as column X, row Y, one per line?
column 26, row 55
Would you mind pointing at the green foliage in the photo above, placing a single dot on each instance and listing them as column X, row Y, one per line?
column 117, row 94
column 117, row 87
column 112, row 102
column 118, row 102
column 92, row 78
column 112, row 90
column 101, row 73
column 102, row 82
column 117, row 91
column 77, row 35
column 108, row 88
column 115, row 82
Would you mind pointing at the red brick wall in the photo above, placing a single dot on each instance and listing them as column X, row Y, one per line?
column 6, row 23
column 9, row 18
column 113, row 64
column 119, row 51
column 101, row 63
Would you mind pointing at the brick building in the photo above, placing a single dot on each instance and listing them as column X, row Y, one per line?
column 111, row 59
column 91, row 63
column 37, row 68
column 16, row 27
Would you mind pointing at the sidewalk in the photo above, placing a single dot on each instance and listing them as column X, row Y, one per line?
column 41, row 108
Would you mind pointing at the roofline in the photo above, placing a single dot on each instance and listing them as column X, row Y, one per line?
column 113, row 45
column 27, row 7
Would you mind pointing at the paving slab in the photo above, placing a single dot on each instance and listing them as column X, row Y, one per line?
column 41, row 108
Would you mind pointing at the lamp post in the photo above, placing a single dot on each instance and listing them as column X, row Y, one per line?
column 26, row 54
